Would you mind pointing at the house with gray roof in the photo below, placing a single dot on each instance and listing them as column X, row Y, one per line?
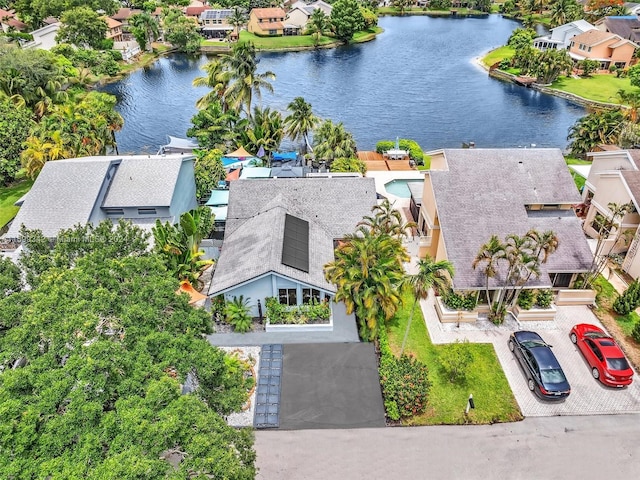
column 280, row 234
column 300, row 12
column 215, row 22
column 139, row 188
column 471, row 194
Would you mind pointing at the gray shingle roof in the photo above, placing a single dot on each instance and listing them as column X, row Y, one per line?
column 485, row 192
column 63, row 195
column 255, row 226
column 144, row 182
column 66, row 191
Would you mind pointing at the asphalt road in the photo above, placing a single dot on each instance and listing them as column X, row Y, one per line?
column 568, row 447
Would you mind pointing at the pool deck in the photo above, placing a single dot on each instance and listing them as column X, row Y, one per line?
column 381, row 178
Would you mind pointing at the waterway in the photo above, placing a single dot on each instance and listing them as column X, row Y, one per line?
column 418, row 80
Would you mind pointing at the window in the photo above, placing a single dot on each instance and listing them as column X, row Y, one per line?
column 287, row 296
column 561, row 280
column 309, row 294
column 273, row 32
column 589, row 49
column 146, row 211
column 601, row 224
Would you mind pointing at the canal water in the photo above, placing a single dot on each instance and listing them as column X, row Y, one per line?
column 417, row 80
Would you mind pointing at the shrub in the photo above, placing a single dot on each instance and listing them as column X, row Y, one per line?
column 505, row 64
column 635, row 333
column 455, row 359
column 405, row 382
column 278, row 313
column 237, row 314
column 415, row 151
column 629, row 300
column 544, row 298
column 526, row 298
column 460, row 301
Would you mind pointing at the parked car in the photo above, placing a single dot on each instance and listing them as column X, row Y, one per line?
column 544, row 373
column 608, row 363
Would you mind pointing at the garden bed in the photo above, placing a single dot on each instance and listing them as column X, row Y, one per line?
column 311, row 326
column 535, row 314
column 447, row 315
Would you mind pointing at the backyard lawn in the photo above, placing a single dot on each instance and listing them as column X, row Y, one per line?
column 8, row 196
column 273, row 43
column 497, row 55
column 601, row 88
column 494, row 400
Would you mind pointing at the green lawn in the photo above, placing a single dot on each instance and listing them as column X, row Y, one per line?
column 494, row 400
column 497, row 55
column 275, row 43
column 601, row 88
column 8, row 196
column 605, row 298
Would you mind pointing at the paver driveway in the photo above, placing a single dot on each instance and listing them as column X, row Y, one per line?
column 588, row 396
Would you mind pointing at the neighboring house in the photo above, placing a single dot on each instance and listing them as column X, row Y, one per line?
column 266, row 21
column 471, row 194
column 139, row 188
column 300, row 12
column 114, row 29
column 44, row 38
column 614, row 177
column 632, row 7
column 607, row 48
column 280, row 234
column 560, row 37
column 9, row 22
column 123, row 15
column 627, row 27
column 195, row 12
column 129, row 49
column 215, row 23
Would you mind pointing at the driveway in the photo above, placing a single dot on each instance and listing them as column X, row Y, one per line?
column 588, row 396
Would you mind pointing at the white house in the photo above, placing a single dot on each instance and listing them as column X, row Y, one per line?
column 44, row 38
column 560, row 37
column 300, row 12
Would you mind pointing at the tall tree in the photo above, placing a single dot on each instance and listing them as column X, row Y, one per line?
column 346, row 19
column 83, row 27
column 181, row 31
column 241, row 68
column 565, row 11
column 331, row 141
column 237, row 19
column 387, row 220
column 593, row 129
column 216, row 79
column 489, row 254
column 264, row 130
column 214, row 127
column 317, row 25
column 368, row 272
column 15, row 123
column 145, row 29
column 208, row 171
column 430, row 274
column 301, row 120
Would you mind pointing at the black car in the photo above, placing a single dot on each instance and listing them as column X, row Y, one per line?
column 544, row 374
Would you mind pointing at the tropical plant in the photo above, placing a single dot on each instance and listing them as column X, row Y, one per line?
column 237, row 19
column 318, row 25
column 489, row 254
column 631, row 99
column 368, row 271
column 349, row 165
column 264, row 129
column 600, row 127
column 180, row 31
column 386, row 220
column 237, row 314
column 526, row 299
column 588, row 66
column 217, row 80
column 179, row 245
column 208, row 171
column 629, row 300
column 346, row 19
column 610, row 232
column 214, row 127
column 83, row 27
column 544, row 298
column 331, row 141
column 241, row 71
column 301, row 120
column 430, row 274
column 144, row 29
column 565, row 11
column 10, row 278
column 551, row 64
column 15, row 123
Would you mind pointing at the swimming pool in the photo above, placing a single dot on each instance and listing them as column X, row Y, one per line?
column 399, row 187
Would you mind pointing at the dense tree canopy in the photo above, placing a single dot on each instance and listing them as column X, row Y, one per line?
column 91, row 365
column 346, row 19
column 83, row 27
column 181, row 31
column 14, row 129
column 33, row 12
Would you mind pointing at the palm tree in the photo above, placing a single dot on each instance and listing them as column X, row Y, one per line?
column 244, row 81
column 332, row 141
column 301, row 120
column 565, row 11
column 386, row 220
column 489, row 253
column 368, row 271
column 214, row 127
column 237, row 19
column 632, row 100
column 430, row 274
column 216, row 80
column 265, row 129
column 593, row 129
column 144, row 29
column 317, row 25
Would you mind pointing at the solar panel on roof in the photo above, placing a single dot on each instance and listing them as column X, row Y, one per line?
column 295, row 244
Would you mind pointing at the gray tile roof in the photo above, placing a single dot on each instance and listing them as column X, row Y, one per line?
column 485, row 192
column 144, row 182
column 255, row 226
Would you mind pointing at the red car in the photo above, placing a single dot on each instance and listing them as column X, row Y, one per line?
column 608, row 363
